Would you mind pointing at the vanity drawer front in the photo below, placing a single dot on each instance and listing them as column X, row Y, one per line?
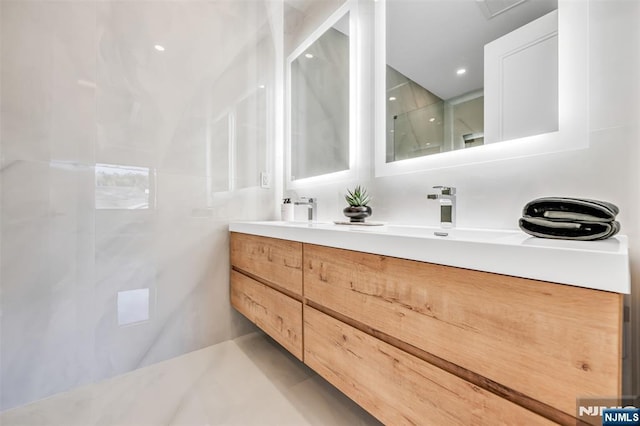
column 397, row 387
column 276, row 261
column 526, row 335
column 278, row 315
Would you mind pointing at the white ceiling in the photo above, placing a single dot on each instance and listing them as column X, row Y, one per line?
column 428, row 40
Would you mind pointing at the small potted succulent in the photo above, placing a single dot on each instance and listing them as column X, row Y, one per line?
column 358, row 209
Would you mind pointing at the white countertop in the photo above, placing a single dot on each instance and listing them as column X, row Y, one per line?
column 601, row 265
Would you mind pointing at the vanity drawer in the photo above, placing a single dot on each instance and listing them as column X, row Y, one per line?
column 270, row 259
column 397, row 387
column 278, row 315
column 527, row 336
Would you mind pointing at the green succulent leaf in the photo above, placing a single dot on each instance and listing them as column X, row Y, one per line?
column 357, row 197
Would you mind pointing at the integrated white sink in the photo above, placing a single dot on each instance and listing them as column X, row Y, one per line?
column 601, row 265
column 485, row 235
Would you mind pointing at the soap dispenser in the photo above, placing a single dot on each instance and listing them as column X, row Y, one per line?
column 286, row 210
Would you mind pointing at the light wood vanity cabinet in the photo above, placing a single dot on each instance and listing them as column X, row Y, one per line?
column 414, row 342
column 266, row 286
column 399, row 388
column 278, row 262
column 547, row 341
column 278, row 315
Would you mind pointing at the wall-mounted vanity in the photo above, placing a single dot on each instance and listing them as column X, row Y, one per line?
column 482, row 327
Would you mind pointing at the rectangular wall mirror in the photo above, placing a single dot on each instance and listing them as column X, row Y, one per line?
column 321, row 101
column 458, row 75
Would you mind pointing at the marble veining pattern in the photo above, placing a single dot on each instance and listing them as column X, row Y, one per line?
column 117, row 179
column 247, row 381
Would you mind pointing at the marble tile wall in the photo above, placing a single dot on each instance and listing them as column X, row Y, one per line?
column 121, row 168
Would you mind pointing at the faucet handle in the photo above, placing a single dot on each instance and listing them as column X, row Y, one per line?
column 446, row 190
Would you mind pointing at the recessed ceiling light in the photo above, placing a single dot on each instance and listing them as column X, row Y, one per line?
column 262, row 86
column 461, row 71
column 308, row 55
column 159, row 48
column 392, row 98
column 432, row 119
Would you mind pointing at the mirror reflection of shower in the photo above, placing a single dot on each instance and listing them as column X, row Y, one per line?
column 421, row 123
column 450, row 89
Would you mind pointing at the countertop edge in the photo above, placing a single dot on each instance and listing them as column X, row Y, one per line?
column 576, row 267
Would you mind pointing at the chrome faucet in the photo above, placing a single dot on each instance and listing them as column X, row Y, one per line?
column 447, row 197
column 312, row 206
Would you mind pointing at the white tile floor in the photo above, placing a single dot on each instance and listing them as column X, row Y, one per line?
column 247, row 381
